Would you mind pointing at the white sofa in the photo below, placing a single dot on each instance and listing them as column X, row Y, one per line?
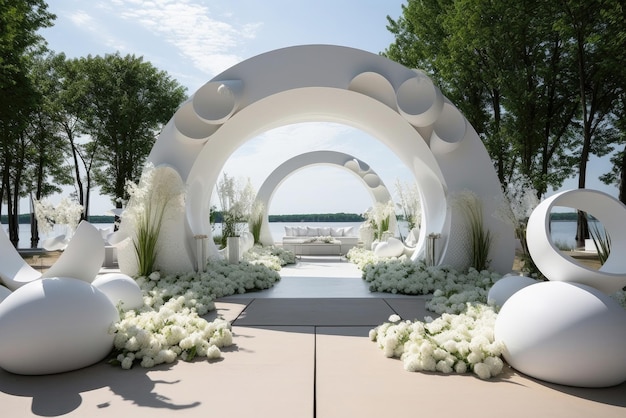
column 307, row 240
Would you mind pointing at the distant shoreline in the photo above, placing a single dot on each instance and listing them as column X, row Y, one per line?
column 303, row 217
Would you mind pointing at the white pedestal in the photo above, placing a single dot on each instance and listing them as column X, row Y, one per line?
column 232, row 243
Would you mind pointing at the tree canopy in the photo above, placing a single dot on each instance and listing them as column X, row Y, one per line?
column 526, row 75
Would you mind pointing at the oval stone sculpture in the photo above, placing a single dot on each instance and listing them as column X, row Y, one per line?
column 120, row 289
column 564, row 333
column 55, row 325
column 506, row 287
column 393, row 247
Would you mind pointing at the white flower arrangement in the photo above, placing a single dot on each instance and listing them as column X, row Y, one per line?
column 169, row 326
column 449, row 344
column 68, row 212
column 518, row 202
column 451, row 289
column 270, row 256
column 362, row 257
column 323, row 240
column 379, row 217
column 410, row 203
column 236, row 200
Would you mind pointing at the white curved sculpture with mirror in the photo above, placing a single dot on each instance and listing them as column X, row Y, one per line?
column 556, row 265
column 568, row 330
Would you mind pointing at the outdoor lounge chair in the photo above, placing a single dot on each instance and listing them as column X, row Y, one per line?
column 82, row 259
column 14, row 271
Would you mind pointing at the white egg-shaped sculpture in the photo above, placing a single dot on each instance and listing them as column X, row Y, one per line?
column 121, row 290
column 564, row 333
column 508, row 285
column 393, row 247
column 4, row 292
column 55, row 325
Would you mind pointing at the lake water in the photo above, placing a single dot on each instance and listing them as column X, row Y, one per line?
column 562, row 232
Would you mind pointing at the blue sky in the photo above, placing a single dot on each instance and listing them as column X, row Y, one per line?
column 194, row 40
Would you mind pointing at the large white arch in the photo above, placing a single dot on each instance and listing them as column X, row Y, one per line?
column 371, row 181
column 398, row 106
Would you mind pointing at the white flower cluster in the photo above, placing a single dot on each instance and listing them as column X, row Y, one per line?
column 410, row 203
column 379, row 216
column 324, row 240
column 269, row 256
column 451, row 288
column 519, row 201
column 362, row 257
column 67, row 212
column 453, row 295
column 170, row 324
column 449, row 344
column 158, row 336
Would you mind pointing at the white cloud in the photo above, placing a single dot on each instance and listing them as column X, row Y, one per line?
column 81, row 18
column 189, row 26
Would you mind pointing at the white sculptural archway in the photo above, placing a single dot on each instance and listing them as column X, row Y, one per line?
column 371, row 181
column 400, row 107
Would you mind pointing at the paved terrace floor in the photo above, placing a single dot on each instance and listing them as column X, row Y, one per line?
column 301, row 350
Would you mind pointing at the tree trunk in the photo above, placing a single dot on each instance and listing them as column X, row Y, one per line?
column 75, row 157
column 622, row 178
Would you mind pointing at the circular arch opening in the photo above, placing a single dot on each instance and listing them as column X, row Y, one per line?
column 317, row 104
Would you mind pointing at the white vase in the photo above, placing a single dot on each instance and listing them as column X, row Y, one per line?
column 232, row 243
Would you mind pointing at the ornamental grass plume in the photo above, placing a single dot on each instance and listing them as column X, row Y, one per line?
column 256, row 221
column 469, row 204
column 149, row 200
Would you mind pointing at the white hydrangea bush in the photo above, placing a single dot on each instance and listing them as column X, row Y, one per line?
column 271, row 256
column 170, row 324
column 452, row 343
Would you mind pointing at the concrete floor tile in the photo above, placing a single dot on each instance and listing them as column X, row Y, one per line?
column 330, row 312
column 354, row 379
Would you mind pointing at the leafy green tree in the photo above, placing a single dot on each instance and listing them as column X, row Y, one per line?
column 503, row 65
column 615, row 38
column 46, row 169
column 20, row 21
column 124, row 103
column 590, row 43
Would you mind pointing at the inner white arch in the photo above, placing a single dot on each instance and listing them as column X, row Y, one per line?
column 369, row 180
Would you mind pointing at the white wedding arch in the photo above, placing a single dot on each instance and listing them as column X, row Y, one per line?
column 368, row 177
column 400, row 107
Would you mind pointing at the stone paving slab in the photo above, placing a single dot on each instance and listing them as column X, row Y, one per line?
column 354, row 379
column 318, row 312
column 269, row 372
column 410, row 308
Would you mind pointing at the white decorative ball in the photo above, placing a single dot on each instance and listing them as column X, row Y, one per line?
column 504, row 288
column 55, row 325
column 120, row 288
column 564, row 333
